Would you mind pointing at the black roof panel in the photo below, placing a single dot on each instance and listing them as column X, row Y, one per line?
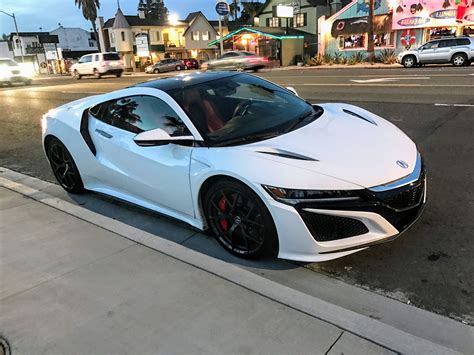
column 185, row 80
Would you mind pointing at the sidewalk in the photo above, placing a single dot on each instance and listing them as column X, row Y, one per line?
column 73, row 281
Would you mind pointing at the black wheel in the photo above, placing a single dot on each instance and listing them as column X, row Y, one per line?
column 239, row 220
column 156, row 71
column 178, row 67
column 118, row 75
column 76, row 75
column 409, row 61
column 64, row 167
column 97, row 75
column 459, row 59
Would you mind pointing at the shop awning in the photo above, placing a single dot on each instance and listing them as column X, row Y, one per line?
column 272, row 32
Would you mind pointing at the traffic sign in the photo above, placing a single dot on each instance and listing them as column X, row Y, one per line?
column 222, row 8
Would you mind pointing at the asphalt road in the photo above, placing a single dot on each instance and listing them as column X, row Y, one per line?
column 431, row 265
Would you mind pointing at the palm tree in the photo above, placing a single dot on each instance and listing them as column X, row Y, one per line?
column 234, row 9
column 89, row 11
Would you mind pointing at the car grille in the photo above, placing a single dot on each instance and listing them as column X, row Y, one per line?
column 15, row 72
column 328, row 227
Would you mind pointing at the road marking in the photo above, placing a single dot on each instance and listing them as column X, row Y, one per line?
column 455, row 105
column 381, row 80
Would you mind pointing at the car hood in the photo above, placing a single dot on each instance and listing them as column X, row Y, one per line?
column 347, row 143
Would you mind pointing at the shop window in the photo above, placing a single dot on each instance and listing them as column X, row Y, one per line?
column 195, row 35
column 299, row 20
column 273, row 22
column 468, row 31
column 384, row 39
column 356, row 41
column 206, row 35
column 440, row 32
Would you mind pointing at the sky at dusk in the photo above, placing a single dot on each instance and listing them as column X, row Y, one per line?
column 33, row 14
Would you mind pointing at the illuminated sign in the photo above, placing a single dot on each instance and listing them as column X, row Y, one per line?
column 141, row 39
column 282, row 11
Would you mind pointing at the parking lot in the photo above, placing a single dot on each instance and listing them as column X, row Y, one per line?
column 430, row 266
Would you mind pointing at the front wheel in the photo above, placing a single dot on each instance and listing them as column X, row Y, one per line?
column 409, row 61
column 178, row 68
column 156, row 71
column 239, row 220
column 459, row 60
column 64, row 167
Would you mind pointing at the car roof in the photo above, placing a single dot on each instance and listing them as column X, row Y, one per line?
column 185, row 80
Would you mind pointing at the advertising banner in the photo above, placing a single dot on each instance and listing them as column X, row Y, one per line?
column 431, row 13
column 141, row 39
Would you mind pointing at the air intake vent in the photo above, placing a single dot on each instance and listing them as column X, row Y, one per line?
column 359, row 116
column 288, row 155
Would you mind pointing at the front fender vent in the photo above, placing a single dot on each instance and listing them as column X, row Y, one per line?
column 288, row 155
column 359, row 116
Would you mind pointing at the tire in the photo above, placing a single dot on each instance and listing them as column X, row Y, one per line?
column 178, row 67
column 76, row 75
column 27, row 82
column 409, row 61
column 239, row 220
column 156, row 71
column 97, row 75
column 64, row 168
column 118, row 75
column 459, row 60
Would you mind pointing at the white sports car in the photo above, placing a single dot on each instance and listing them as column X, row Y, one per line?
column 261, row 169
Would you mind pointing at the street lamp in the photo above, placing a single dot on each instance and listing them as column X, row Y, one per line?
column 12, row 15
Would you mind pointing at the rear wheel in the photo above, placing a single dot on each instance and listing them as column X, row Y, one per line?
column 239, row 220
column 97, row 75
column 178, row 67
column 118, row 75
column 156, row 71
column 459, row 59
column 64, row 167
column 409, row 61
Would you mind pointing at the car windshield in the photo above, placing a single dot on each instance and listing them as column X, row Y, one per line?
column 8, row 63
column 243, row 108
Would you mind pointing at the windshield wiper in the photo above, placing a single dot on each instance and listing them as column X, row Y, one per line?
column 247, row 139
column 300, row 119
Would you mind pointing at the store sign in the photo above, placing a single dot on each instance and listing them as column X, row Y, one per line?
column 222, row 8
column 282, row 11
column 358, row 25
column 141, row 40
column 416, row 14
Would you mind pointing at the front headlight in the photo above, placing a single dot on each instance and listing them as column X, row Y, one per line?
column 293, row 196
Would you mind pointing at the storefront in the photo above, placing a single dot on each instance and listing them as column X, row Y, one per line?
column 280, row 46
column 398, row 24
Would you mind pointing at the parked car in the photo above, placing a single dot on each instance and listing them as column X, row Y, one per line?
column 165, row 65
column 235, row 60
column 459, row 51
column 98, row 65
column 11, row 72
column 260, row 168
column 191, row 63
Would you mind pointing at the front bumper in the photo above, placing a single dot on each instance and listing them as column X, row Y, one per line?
column 319, row 231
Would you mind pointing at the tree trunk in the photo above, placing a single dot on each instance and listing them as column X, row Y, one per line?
column 370, row 33
column 96, row 34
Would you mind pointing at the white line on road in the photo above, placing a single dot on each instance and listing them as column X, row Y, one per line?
column 381, row 80
column 455, row 105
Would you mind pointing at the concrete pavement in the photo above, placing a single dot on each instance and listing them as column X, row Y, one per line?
column 75, row 281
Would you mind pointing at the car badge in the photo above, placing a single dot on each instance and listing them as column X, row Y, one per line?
column 402, row 164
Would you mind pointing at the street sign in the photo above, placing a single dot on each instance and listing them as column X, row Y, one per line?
column 141, row 39
column 47, row 38
column 222, row 8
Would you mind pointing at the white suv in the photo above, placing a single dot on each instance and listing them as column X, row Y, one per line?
column 98, row 64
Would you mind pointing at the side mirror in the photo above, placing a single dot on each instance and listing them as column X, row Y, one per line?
column 159, row 136
column 292, row 89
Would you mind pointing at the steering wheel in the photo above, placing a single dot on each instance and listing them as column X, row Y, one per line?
column 242, row 108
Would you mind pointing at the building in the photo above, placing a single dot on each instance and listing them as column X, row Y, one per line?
column 5, row 50
column 74, row 42
column 398, row 25
column 141, row 41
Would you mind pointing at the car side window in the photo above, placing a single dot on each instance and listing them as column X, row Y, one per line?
column 462, row 42
column 447, row 43
column 137, row 114
column 431, row 45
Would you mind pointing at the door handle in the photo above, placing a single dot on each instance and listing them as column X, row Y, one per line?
column 103, row 133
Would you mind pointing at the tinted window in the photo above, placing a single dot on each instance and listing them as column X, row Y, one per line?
column 85, row 59
column 463, row 42
column 96, row 58
column 431, row 45
column 111, row 56
column 141, row 113
column 447, row 43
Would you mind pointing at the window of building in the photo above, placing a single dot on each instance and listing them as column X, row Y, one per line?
column 123, row 36
column 384, row 39
column 273, row 22
column 440, row 32
column 299, row 20
column 206, row 35
column 157, row 36
column 195, row 35
column 356, row 41
column 137, row 114
column 112, row 37
column 468, row 31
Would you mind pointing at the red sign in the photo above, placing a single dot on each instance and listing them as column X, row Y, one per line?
column 408, row 38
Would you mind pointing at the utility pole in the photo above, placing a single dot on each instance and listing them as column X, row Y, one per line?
column 12, row 15
column 370, row 33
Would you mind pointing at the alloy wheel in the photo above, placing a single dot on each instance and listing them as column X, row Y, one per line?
column 64, row 168
column 459, row 60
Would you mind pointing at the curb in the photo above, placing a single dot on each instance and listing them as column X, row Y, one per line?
column 352, row 322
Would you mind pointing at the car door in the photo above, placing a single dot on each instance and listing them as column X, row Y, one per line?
column 152, row 176
column 444, row 51
column 82, row 64
column 428, row 52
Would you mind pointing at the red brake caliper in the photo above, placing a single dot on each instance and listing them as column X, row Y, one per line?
column 223, row 207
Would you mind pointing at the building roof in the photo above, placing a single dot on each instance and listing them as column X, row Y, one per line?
column 136, row 21
column 120, row 21
column 274, row 32
column 193, row 16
